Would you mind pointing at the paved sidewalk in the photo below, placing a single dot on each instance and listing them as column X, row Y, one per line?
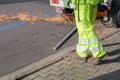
column 69, row 68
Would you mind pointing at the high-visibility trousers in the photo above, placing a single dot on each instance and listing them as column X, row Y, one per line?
column 92, row 2
column 88, row 40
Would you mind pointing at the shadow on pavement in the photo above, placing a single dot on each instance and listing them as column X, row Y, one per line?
column 112, row 60
column 113, row 44
column 19, row 1
column 110, row 76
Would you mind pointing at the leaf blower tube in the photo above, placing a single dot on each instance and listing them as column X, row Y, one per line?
column 66, row 38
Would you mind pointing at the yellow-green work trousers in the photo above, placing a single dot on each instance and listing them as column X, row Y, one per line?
column 88, row 40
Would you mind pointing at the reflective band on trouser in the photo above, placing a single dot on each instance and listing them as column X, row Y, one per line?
column 90, row 42
column 97, row 50
column 82, row 50
column 81, row 40
column 93, row 41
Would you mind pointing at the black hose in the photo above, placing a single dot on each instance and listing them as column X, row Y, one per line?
column 66, row 38
column 78, row 10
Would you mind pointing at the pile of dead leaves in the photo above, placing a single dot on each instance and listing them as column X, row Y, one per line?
column 59, row 18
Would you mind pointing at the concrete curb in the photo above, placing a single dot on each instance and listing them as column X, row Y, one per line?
column 32, row 68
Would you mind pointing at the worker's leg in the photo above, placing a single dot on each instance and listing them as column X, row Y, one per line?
column 82, row 47
column 95, row 45
column 87, row 37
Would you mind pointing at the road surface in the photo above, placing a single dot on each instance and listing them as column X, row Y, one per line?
column 22, row 43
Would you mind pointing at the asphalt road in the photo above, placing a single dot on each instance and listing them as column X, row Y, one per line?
column 22, row 43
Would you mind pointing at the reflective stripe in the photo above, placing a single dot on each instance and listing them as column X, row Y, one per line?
column 90, row 42
column 81, row 41
column 81, row 48
column 96, row 49
column 93, row 41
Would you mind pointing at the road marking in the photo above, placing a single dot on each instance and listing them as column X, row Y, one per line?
column 20, row 23
column 16, row 24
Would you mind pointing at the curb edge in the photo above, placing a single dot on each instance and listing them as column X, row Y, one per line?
column 38, row 65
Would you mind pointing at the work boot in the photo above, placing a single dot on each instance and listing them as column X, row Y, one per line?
column 74, row 55
column 96, row 61
column 82, row 59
